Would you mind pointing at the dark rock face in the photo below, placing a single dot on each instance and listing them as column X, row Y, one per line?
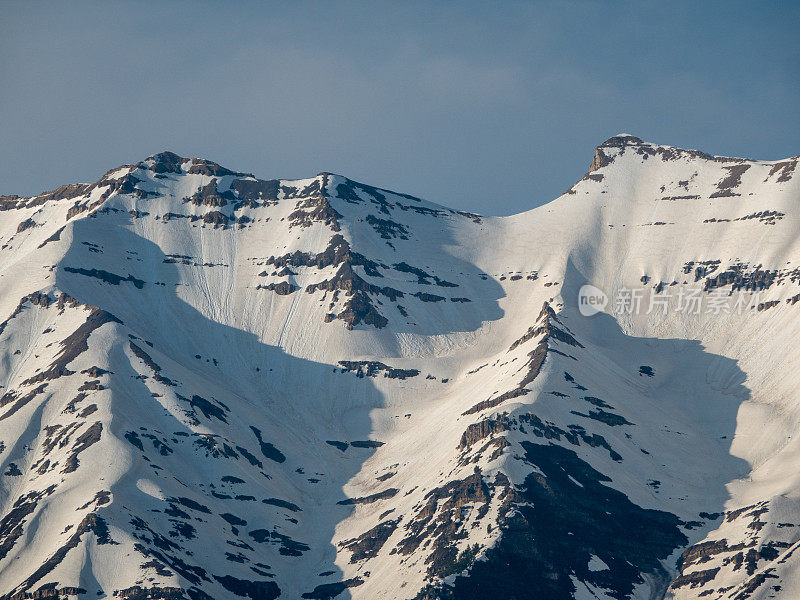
column 26, row 224
column 747, row 555
column 53, row 238
column 363, row 297
column 255, row 590
column 11, row 525
column 209, row 409
column 287, row 546
column 359, row 309
column 492, row 402
column 284, row 288
column 785, row 168
column 602, row 159
column 348, row 281
column 138, row 592
column 728, row 183
column 603, row 416
column 327, row 591
column 255, row 191
column 390, row 493
column 105, row 276
column 556, row 531
column 371, row 368
column 215, row 218
column 147, row 360
column 768, row 217
column 439, row 523
column 387, row 228
column 208, row 195
column 368, row 544
column 337, row 252
column 423, row 277
column 206, row 167
column 86, row 439
column 282, row 504
column 316, row 209
column 268, row 450
column 483, row 429
column 10, row 202
column 366, row 444
column 741, row 277
column 166, row 162
column 425, row 297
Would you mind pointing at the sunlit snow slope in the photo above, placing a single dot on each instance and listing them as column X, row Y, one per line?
column 217, row 386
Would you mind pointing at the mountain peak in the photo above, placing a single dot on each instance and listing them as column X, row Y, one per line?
column 169, row 162
column 621, row 141
column 617, row 145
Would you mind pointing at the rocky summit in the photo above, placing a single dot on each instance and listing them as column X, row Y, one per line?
column 216, row 386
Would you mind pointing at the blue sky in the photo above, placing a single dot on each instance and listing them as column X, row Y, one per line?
column 492, row 107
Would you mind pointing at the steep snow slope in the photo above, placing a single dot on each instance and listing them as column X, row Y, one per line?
column 216, row 386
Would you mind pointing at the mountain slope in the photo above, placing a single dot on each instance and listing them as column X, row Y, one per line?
column 218, row 386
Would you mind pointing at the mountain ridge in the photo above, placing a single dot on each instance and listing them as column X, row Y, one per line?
column 169, row 160
column 219, row 386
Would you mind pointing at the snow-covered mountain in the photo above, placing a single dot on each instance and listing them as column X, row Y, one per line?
column 217, row 386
